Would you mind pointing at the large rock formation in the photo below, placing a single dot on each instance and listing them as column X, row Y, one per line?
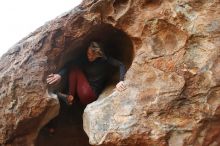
column 173, row 83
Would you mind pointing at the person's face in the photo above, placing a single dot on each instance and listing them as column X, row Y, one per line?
column 91, row 55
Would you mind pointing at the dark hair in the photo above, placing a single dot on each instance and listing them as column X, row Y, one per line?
column 97, row 49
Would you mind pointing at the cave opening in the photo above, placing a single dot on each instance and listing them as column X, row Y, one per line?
column 68, row 124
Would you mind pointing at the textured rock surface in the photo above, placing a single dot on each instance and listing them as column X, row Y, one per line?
column 173, row 84
column 172, row 95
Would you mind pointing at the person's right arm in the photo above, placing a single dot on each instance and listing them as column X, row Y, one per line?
column 56, row 78
column 64, row 69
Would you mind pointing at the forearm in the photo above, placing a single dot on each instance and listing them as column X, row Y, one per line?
column 122, row 71
column 62, row 72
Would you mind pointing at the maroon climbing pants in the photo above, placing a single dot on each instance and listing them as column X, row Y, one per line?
column 78, row 84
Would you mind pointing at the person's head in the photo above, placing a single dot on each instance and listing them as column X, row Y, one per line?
column 94, row 51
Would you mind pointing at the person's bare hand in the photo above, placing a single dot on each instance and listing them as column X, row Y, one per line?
column 120, row 86
column 53, row 78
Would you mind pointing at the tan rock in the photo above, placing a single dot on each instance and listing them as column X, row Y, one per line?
column 172, row 84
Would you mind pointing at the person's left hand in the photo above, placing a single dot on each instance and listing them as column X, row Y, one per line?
column 120, row 86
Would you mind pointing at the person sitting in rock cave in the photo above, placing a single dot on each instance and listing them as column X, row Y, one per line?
column 87, row 75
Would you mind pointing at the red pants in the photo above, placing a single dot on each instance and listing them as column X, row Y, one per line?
column 78, row 84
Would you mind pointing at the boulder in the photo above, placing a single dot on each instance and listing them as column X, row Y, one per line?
column 171, row 50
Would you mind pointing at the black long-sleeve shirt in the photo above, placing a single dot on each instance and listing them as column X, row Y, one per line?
column 96, row 72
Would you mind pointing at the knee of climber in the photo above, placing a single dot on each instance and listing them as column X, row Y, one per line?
column 86, row 95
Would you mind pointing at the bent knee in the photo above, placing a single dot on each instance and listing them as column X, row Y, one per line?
column 86, row 96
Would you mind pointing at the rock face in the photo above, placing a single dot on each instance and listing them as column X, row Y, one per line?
column 173, row 83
